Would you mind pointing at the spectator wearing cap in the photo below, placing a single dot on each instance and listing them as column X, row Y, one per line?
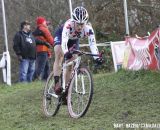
column 24, row 45
column 43, row 53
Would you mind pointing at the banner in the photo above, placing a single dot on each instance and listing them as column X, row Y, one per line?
column 118, row 49
column 142, row 53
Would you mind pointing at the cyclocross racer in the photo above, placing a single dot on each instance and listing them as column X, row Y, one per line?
column 68, row 34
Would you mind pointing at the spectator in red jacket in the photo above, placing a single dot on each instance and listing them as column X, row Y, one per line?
column 43, row 53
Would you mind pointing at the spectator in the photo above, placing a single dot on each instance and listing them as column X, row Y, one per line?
column 25, row 49
column 43, row 53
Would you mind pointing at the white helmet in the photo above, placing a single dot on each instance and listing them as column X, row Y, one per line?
column 80, row 15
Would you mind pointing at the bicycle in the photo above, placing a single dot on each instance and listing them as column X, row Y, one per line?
column 79, row 91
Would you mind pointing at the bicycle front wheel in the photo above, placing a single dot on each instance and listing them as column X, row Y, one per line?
column 80, row 93
column 51, row 101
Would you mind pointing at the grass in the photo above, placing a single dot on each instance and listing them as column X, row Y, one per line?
column 123, row 97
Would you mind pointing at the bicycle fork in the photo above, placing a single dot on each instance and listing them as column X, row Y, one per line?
column 82, row 82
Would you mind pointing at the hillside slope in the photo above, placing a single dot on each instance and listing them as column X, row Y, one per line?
column 123, row 97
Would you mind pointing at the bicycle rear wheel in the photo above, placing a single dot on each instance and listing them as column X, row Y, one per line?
column 80, row 93
column 51, row 101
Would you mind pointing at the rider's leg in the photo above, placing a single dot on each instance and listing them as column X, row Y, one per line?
column 57, row 67
column 68, row 74
column 70, row 44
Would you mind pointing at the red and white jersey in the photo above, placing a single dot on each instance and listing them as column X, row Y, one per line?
column 69, row 32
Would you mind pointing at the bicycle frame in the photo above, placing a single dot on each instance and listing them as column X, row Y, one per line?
column 76, row 63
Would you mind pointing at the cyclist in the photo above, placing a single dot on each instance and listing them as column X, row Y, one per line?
column 68, row 34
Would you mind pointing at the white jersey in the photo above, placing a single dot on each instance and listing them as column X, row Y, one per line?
column 69, row 32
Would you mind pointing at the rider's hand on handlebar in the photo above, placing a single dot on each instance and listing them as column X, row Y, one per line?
column 99, row 61
column 68, row 55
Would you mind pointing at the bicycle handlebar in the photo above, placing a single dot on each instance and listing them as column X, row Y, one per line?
column 74, row 51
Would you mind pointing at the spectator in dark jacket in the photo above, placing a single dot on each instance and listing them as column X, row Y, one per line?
column 25, row 49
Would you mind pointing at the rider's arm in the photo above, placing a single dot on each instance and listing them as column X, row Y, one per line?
column 65, row 37
column 92, row 41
